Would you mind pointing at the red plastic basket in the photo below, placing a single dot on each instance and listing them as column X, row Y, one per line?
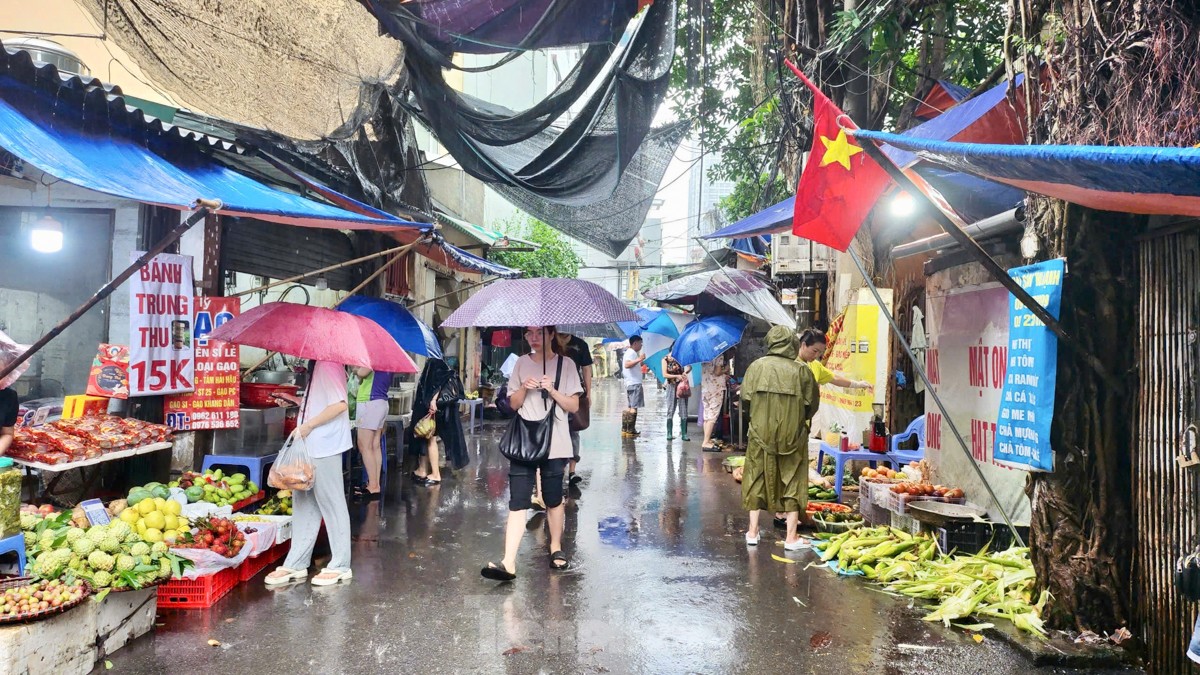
column 252, row 566
column 199, row 593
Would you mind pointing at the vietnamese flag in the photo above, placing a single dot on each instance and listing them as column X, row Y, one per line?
column 840, row 183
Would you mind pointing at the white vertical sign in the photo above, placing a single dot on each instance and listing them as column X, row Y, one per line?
column 161, row 357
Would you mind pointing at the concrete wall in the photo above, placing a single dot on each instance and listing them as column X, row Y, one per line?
column 37, row 290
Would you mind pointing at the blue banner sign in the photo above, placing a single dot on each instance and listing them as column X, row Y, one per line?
column 1027, row 399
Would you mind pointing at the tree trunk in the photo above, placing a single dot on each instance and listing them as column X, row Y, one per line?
column 1119, row 72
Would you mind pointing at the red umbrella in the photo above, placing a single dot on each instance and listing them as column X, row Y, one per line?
column 317, row 333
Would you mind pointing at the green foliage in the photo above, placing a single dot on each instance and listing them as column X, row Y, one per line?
column 747, row 197
column 554, row 258
column 711, row 80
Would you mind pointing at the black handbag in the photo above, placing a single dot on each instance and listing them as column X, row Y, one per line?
column 528, row 441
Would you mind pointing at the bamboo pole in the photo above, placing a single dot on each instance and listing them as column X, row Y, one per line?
column 399, row 250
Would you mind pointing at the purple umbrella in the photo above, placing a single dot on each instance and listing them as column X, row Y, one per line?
column 540, row 302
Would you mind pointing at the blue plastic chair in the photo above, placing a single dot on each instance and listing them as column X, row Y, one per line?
column 840, row 458
column 15, row 544
column 901, row 457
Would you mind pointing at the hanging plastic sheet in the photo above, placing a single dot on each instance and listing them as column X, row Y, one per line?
column 495, row 26
column 584, row 159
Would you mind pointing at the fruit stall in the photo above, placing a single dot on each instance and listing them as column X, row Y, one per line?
column 91, row 578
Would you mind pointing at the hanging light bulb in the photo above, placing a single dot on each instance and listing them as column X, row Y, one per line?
column 47, row 235
column 322, row 283
column 902, row 205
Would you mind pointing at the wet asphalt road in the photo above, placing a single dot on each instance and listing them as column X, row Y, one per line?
column 662, row 582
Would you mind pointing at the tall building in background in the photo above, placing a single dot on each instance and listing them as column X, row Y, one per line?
column 703, row 196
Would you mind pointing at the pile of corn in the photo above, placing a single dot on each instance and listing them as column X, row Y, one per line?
column 994, row 585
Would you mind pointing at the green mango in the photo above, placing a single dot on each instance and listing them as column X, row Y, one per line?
column 194, row 493
column 236, row 478
column 136, row 495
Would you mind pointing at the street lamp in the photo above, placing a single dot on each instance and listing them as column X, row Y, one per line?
column 47, row 235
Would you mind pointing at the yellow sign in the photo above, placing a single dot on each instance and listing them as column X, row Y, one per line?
column 855, row 355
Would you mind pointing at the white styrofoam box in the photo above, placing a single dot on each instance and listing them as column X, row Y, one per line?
column 122, row 617
column 284, row 523
column 64, row 644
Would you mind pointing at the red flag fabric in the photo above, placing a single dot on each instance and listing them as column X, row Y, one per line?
column 840, row 183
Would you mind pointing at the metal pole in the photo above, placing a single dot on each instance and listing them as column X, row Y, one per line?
column 919, row 368
column 206, row 206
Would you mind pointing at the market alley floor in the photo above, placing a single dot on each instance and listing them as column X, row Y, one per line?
column 662, row 582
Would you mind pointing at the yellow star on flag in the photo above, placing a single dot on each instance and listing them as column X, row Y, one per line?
column 839, row 150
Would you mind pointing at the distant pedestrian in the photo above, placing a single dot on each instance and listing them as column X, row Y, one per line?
column 438, row 392
column 713, row 385
column 679, row 390
column 783, row 397
column 578, row 351
column 632, row 374
column 536, row 385
column 325, row 428
column 370, row 413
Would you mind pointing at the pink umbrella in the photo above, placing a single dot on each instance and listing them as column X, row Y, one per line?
column 317, row 333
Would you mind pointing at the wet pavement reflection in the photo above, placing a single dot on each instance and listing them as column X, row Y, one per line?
column 661, row 582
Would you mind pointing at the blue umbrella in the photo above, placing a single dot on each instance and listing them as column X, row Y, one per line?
column 406, row 329
column 708, row 338
column 631, row 328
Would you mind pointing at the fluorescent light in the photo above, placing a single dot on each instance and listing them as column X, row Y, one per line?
column 47, row 235
column 903, row 205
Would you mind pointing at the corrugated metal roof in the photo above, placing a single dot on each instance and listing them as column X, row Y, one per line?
column 483, row 235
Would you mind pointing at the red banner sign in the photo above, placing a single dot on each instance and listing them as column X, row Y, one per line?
column 215, row 402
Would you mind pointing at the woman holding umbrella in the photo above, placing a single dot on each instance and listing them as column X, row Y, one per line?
column 534, row 393
column 325, row 428
column 328, row 338
column 676, row 376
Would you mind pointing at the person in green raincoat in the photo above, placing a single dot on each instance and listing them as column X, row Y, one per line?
column 783, row 397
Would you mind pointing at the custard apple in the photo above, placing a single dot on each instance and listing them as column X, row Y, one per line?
column 83, row 546
column 101, row 579
column 74, row 534
column 139, row 549
column 125, row 563
column 101, row 561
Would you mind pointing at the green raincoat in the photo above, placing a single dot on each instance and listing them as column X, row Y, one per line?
column 783, row 397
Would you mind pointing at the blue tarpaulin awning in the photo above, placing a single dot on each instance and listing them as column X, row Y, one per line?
column 1147, row 180
column 100, row 158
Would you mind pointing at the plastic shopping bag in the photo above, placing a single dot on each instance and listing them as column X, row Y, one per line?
column 293, row 468
column 9, row 351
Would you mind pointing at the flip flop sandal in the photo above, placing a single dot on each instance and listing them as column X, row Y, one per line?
column 576, row 479
column 430, row 482
column 328, row 577
column 496, row 572
column 283, row 575
column 559, row 556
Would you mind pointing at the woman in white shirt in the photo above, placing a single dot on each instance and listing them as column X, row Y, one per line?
column 325, row 428
column 532, row 393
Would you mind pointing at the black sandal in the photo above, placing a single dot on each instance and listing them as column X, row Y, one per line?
column 559, row 556
column 575, row 479
column 497, row 572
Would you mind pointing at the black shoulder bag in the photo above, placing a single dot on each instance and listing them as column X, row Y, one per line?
column 528, row 441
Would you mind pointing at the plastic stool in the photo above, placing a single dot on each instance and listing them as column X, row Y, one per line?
column 15, row 543
column 254, row 466
column 840, row 458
